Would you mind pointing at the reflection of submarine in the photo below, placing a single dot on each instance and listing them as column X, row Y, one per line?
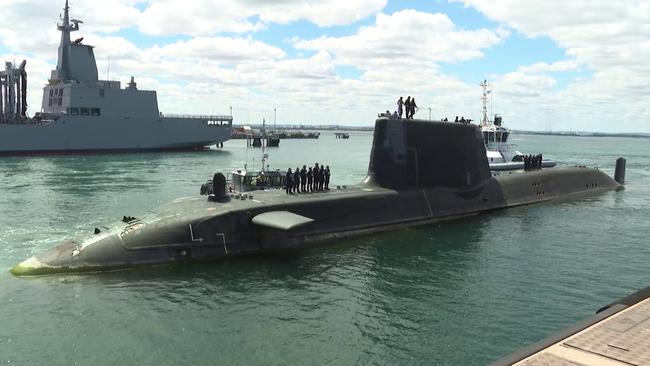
column 419, row 172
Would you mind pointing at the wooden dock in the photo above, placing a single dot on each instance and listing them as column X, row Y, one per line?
column 618, row 335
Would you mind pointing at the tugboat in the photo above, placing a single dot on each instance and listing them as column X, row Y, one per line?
column 501, row 155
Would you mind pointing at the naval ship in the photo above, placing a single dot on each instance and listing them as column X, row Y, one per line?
column 81, row 113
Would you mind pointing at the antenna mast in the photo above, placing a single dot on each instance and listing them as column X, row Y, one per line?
column 264, row 155
column 486, row 90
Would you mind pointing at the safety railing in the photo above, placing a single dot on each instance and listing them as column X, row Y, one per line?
column 199, row 116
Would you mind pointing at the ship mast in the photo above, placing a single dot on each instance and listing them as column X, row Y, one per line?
column 63, row 65
column 263, row 137
column 485, row 121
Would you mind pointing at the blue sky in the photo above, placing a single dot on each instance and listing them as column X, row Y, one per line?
column 308, row 58
column 503, row 58
column 506, row 57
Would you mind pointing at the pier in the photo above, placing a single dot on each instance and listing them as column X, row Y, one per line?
column 617, row 335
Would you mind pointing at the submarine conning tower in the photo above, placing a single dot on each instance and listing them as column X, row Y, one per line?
column 426, row 154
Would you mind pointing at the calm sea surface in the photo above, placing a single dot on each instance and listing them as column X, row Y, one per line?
column 460, row 293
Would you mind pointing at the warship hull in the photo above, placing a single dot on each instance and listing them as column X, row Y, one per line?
column 71, row 134
column 404, row 187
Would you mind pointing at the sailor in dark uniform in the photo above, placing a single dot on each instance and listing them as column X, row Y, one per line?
column 407, row 105
column 321, row 178
column 310, row 180
column 316, row 176
column 303, row 179
column 327, row 178
column 289, row 181
column 296, row 180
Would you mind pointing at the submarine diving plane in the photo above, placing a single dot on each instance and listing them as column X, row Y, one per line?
column 420, row 172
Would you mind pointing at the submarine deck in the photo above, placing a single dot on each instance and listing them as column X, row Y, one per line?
column 616, row 335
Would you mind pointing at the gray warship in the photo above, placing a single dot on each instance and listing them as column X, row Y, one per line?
column 420, row 172
column 82, row 113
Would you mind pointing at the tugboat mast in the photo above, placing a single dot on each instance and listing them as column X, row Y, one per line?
column 485, row 121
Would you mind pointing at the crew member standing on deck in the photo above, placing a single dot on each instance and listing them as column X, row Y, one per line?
column 303, row 179
column 296, row 180
column 400, row 107
column 316, row 173
column 310, row 180
column 321, row 178
column 327, row 178
column 413, row 107
column 407, row 105
column 289, row 181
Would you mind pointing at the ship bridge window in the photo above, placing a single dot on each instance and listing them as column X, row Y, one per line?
column 74, row 111
column 94, row 112
column 85, row 111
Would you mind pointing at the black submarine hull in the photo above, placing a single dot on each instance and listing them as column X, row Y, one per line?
column 420, row 172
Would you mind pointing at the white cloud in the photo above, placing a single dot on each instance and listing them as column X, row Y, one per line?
column 204, row 17
column 219, row 49
column 612, row 39
column 541, row 67
column 401, row 53
column 33, row 25
column 406, row 38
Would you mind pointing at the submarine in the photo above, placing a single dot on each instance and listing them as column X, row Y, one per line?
column 420, row 172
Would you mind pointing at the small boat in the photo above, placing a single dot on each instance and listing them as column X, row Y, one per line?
column 272, row 140
column 342, row 135
column 243, row 180
column 263, row 137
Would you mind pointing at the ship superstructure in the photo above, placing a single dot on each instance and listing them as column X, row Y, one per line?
column 79, row 112
column 495, row 134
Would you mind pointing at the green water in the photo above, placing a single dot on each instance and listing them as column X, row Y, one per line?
column 460, row 293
